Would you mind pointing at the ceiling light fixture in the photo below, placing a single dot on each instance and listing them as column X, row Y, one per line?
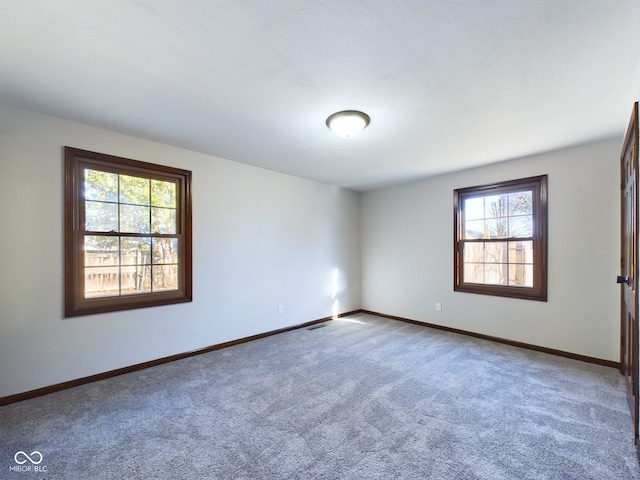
column 348, row 122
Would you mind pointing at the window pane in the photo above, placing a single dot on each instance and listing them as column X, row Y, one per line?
column 473, row 252
column 521, row 252
column 496, row 227
column 165, row 277
column 521, row 226
column 136, row 279
column 490, row 262
column 163, row 220
column 496, row 252
column 521, row 275
column 101, row 272
column 495, row 274
column 520, row 203
column 101, row 282
column 100, row 250
column 135, row 251
column 474, row 208
column 134, row 219
column 165, row 250
column 474, row 272
column 474, row 229
column 134, row 190
column 495, row 206
column 100, row 185
column 100, row 216
column 163, row 194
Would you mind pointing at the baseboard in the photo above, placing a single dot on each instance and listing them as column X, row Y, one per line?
column 141, row 366
column 527, row 346
column 39, row 392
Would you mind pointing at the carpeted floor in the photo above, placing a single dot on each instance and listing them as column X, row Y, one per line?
column 360, row 397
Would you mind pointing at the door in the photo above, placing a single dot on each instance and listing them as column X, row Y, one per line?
column 629, row 266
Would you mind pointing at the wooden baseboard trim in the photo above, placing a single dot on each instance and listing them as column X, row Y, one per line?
column 527, row 346
column 39, row 392
column 141, row 366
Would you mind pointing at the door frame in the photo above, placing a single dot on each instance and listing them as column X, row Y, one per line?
column 629, row 271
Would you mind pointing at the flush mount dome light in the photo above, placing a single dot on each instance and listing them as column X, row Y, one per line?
column 348, row 123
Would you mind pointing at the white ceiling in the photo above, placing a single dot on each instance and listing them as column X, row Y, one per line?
column 449, row 84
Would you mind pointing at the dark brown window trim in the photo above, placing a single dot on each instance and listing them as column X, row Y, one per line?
column 539, row 290
column 75, row 302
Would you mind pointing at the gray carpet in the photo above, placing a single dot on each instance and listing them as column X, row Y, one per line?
column 361, row 397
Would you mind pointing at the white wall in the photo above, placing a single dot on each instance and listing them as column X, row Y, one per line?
column 261, row 239
column 407, row 254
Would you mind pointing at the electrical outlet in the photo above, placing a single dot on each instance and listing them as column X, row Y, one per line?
column 280, row 309
column 438, row 307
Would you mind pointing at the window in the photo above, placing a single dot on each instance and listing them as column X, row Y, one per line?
column 127, row 233
column 500, row 235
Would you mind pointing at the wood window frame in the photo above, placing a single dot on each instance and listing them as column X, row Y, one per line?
column 76, row 303
column 538, row 185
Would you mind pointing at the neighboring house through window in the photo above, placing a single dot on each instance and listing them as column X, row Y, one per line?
column 127, row 233
column 500, row 235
